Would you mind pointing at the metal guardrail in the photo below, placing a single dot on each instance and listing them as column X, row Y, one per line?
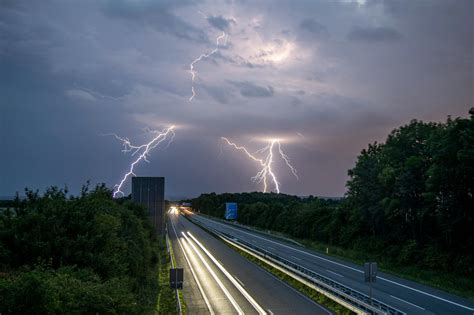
column 351, row 296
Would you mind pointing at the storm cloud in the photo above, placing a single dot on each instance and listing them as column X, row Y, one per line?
column 374, row 34
column 250, row 89
column 221, row 22
column 327, row 76
column 315, row 28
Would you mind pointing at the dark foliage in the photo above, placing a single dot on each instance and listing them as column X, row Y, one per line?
column 76, row 255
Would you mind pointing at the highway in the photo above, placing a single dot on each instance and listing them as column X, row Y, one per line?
column 406, row 296
column 218, row 280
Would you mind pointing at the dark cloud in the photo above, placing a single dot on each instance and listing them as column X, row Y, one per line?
column 220, row 22
column 315, row 28
column 250, row 89
column 374, row 34
column 219, row 93
column 156, row 14
column 71, row 71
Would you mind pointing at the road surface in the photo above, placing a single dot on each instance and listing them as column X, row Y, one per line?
column 218, row 280
column 407, row 296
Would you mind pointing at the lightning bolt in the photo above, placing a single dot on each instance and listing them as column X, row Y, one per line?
column 191, row 65
column 266, row 172
column 143, row 151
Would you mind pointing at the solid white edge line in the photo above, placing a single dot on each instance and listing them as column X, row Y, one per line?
column 219, row 282
column 206, row 300
column 339, row 264
column 397, row 298
column 249, row 298
column 428, row 294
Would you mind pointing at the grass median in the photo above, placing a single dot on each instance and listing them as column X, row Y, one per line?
column 166, row 302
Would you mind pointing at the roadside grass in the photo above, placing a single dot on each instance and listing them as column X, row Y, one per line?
column 166, row 302
column 180, row 292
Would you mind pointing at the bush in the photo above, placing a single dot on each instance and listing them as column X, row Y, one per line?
column 77, row 255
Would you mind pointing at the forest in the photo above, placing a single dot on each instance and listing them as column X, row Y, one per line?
column 409, row 202
column 89, row 254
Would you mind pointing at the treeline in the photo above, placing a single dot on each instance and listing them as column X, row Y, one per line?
column 409, row 201
column 77, row 255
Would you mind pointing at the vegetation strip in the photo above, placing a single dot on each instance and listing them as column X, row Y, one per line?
column 86, row 254
column 180, row 292
column 167, row 298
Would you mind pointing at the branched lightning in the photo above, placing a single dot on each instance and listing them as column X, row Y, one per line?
column 266, row 173
column 143, row 151
column 191, row 65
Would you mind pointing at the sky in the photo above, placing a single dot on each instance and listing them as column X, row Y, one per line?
column 326, row 77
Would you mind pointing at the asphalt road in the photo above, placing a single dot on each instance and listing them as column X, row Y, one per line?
column 207, row 289
column 405, row 295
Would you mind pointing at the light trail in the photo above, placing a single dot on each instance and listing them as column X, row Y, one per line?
column 266, row 173
column 191, row 65
column 216, row 278
column 143, row 152
column 193, row 272
column 232, row 279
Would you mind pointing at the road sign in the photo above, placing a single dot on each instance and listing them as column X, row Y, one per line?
column 370, row 271
column 231, row 211
column 176, row 278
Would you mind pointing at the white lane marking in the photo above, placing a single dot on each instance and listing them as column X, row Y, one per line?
column 408, row 302
column 335, row 273
column 219, row 282
column 249, row 298
column 239, row 281
column 344, row 266
column 206, row 300
column 295, row 257
column 425, row 293
column 270, row 248
column 269, row 311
